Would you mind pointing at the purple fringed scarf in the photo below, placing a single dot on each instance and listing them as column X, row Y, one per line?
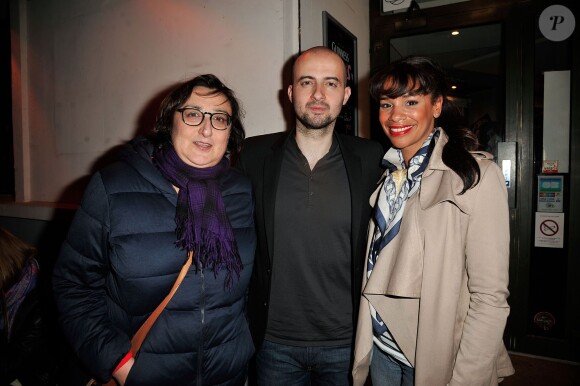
column 202, row 223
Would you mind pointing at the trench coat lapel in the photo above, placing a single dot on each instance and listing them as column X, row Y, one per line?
column 398, row 274
column 395, row 310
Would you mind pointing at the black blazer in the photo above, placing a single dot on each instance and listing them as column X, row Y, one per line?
column 261, row 159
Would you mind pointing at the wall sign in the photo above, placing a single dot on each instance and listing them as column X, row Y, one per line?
column 549, row 230
column 550, row 166
column 550, row 193
column 341, row 41
column 394, row 5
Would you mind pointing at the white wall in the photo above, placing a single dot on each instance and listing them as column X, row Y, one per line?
column 89, row 74
column 354, row 16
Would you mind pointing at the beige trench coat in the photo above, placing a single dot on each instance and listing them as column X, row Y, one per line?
column 441, row 284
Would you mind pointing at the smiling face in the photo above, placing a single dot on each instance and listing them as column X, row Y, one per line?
column 201, row 146
column 408, row 120
column 319, row 90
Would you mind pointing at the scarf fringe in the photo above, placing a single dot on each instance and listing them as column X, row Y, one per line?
column 212, row 251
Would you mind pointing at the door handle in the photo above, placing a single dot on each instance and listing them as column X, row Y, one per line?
column 507, row 161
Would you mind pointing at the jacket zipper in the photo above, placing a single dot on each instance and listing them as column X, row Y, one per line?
column 202, row 312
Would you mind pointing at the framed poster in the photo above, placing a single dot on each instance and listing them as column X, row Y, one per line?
column 341, row 41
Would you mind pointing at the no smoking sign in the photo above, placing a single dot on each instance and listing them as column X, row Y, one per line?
column 549, row 230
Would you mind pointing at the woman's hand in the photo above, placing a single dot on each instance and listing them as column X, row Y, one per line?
column 123, row 372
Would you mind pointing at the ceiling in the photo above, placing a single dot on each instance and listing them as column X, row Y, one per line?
column 472, row 58
column 475, row 48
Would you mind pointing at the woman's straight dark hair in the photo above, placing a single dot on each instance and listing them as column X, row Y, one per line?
column 416, row 75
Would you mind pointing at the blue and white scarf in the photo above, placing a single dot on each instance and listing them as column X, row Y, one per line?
column 400, row 184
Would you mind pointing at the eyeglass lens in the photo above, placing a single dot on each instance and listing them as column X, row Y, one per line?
column 194, row 117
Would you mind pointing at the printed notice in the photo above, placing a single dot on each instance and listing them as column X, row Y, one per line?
column 550, row 193
column 549, row 230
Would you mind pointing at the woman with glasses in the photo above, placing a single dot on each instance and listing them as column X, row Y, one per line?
column 167, row 196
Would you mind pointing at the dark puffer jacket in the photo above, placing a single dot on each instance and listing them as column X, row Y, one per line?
column 119, row 262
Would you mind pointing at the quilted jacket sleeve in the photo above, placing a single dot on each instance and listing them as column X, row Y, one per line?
column 79, row 280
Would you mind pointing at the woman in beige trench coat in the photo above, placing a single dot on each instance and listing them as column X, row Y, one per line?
column 434, row 299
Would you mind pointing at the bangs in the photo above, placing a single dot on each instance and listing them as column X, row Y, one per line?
column 397, row 87
column 402, row 79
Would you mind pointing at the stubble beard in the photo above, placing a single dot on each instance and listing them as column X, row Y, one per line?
column 316, row 123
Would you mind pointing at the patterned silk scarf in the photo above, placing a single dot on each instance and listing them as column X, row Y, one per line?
column 400, row 184
column 202, row 222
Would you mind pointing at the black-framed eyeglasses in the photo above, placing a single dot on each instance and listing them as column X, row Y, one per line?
column 194, row 117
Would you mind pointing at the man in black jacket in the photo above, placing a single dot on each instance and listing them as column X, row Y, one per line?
column 312, row 189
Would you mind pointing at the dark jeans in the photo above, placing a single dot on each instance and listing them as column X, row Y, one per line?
column 279, row 364
column 386, row 371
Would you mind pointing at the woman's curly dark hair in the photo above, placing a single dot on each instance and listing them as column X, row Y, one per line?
column 179, row 95
column 416, row 75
